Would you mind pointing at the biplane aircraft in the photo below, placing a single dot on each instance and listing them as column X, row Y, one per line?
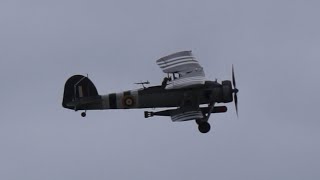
column 184, row 91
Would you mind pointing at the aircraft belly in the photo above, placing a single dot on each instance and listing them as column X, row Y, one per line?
column 161, row 99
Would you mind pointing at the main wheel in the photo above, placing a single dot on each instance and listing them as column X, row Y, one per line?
column 204, row 127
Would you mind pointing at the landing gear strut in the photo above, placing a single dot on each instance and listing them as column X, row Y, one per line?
column 204, row 127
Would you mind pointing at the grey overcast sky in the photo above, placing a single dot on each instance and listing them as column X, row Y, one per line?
column 273, row 44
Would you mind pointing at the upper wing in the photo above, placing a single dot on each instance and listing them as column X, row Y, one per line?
column 189, row 70
column 178, row 62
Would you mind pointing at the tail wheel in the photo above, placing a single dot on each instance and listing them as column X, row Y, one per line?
column 83, row 114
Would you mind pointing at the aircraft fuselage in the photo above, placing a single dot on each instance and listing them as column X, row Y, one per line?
column 151, row 97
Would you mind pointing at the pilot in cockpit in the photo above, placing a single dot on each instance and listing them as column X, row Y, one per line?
column 165, row 80
column 171, row 76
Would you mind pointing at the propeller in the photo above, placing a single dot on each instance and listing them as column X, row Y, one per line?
column 235, row 90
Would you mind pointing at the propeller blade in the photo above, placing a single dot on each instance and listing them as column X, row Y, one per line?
column 233, row 78
column 236, row 103
column 235, row 91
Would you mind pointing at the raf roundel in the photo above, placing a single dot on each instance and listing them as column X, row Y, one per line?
column 128, row 101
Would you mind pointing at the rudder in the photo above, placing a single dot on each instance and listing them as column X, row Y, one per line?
column 77, row 87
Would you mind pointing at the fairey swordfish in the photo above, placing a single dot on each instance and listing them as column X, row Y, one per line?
column 184, row 91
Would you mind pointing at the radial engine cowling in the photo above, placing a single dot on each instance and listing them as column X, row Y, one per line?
column 226, row 95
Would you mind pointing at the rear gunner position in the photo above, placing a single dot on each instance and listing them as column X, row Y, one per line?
column 184, row 90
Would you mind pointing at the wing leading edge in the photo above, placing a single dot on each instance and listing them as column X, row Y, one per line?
column 183, row 63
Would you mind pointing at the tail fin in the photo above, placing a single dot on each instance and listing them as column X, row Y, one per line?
column 76, row 88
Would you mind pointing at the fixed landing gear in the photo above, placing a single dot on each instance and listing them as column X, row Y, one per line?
column 83, row 114
column 203, row 127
